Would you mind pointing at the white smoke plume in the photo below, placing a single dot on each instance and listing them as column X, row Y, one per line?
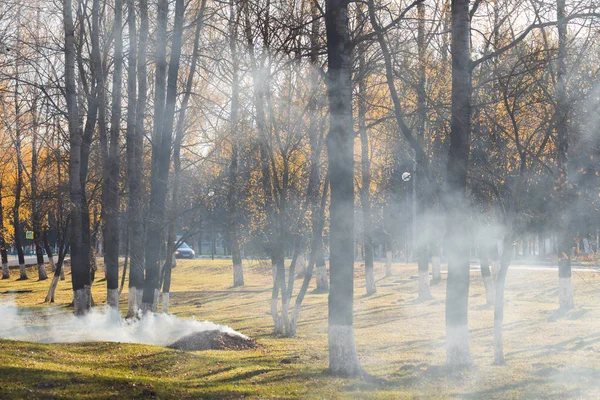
column 54, row 326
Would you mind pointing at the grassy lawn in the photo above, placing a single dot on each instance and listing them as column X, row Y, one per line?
column 400, row 343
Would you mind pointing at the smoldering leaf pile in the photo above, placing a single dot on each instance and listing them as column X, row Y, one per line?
column 55, row 326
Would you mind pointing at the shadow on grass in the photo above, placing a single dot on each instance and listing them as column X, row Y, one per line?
column 572, row 344
column 19, row 383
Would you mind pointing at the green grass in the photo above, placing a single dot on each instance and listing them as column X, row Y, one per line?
column 400, row 344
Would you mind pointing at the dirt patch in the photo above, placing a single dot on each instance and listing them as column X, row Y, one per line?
column 213, row 340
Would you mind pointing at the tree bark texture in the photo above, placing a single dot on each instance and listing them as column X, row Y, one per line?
column 457, row 293
column 111, row 184
column 161, row 146
column 565, row 288
column 343, row 358
column 365, row 190
column 135, row 161
column 79, row 256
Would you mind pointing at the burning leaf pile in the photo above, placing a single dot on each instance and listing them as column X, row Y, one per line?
column 213, row 340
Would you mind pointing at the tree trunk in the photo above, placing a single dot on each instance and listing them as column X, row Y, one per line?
column 343, row 358
column 58, row 273
column 436, row 270
column 260, row 89
column 232, row 196
column 111, row 183
column 565, row 289
column 499, row 300
column 135, row 156
column 19, row 182
column 486, row 275
column 160, row 166
column 48, row 251
column 300, row 269
column 79, row 261
column 423, row 267
column 388, row 257
column 133, row 206
column 179, row 131
column 365, row 195
column 3, row 245
column 457, row 292
column 161, row 146
column 36, row 215
column 420, row 184
column 54, row 283
column 321, row 268
column 318, row 223
column 62, row 228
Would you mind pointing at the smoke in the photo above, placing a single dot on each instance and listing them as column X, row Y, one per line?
column 54, row 326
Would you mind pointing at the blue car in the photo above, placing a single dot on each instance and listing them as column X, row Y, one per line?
column 184, row 251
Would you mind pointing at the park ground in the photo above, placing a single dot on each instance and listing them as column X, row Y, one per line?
column 400, row 343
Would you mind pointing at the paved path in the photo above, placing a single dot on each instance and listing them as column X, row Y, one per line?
column 29, row 260
column 534, row 267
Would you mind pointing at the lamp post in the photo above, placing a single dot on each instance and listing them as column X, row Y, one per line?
column 212, row 225
column 406, row 177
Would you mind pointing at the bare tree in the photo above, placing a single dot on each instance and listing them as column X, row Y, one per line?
column 110, row 205
column 365, row 163
column 457, row 293
column 179, row 132
column 232, row 196
column 80, row 264
column 18, row 140
column 565, row 288
column 135, row 157
column 3, row 244
column 164, row 114
column 420, row 184
column 343, row 358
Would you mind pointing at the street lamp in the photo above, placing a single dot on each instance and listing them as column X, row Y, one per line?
column 212, row 225
column 407, row 176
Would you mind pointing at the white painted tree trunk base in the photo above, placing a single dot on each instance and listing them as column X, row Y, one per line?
column 151, row 308
column 277, row 320
column 238, row 275
column 565, row 293
column 42, row 275
column 23, row 272
column 112, row 298
column 165, row 303
column 370, row 282
column 82, row 300
column 285, row 317
column 5, row 271
column 52, row 290
column 321, row 277
column 490, row 291
column 52, row 264
column 343, row 358
column 424, row 286
column 388, row 263
column 458, row 352
column 436, row 269
column 498, row 346
column 300, row 265
column 494, row 268
column 134, row 301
